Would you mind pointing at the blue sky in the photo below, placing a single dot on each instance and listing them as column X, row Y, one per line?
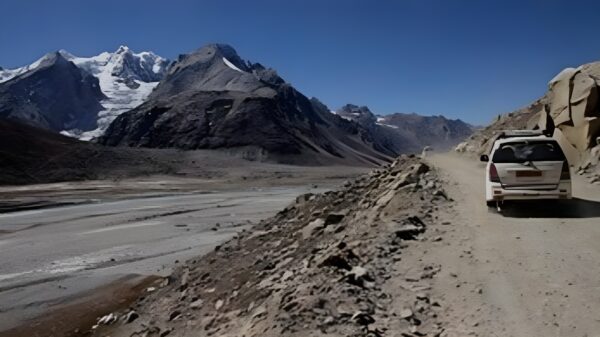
column 468, row 59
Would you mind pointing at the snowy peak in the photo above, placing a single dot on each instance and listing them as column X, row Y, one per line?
column 52, row 93
column 126, row 78
column 229, row 56
column 214, row 54
column 51, row 59
column 145, row 66
column 8, row 74
column 66, row 54
column 217, row 67
column 123, row 49
column 125, row 64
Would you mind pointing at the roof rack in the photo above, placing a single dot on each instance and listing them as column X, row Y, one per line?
column 521, row 133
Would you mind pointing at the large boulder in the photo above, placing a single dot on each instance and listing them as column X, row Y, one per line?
column 574, row 111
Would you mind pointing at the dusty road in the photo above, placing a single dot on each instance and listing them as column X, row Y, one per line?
column 49, row 257
column 531, row 271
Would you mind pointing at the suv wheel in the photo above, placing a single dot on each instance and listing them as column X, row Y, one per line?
column 491, row 204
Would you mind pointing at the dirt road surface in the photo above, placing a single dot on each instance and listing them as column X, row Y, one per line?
column 530, row 271
column 51, row 256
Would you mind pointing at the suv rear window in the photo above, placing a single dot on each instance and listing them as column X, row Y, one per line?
column 523, row 151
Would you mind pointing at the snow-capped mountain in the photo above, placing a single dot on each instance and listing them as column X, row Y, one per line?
column 7, row 74
column 126, row 78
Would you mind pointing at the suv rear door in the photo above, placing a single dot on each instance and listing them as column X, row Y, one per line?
column 529, row 164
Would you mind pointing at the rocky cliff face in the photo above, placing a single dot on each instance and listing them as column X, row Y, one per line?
column 55, row 94
column 573, row 110
column 213, row 99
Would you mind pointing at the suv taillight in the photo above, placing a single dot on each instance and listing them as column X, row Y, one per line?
column 565, row 174
column 494, row 174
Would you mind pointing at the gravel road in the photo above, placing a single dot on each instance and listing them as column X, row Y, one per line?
column 531, row 270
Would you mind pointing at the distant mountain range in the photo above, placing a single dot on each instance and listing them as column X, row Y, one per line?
column 409, row 132
column 208, row 99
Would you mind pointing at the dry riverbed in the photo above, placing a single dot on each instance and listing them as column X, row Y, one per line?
column 68, row 246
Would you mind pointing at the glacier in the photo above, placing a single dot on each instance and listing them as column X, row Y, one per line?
column 126, row 78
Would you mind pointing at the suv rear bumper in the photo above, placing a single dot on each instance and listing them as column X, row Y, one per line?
column 498, row 193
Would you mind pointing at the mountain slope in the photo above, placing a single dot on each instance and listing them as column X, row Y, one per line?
column 31, row 155
column 53, row 94
column 409, row 132
column 212, row 98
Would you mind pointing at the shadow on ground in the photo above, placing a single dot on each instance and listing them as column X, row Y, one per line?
column 574, row 208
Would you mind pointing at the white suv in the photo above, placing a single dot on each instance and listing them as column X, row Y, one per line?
column 526, row 165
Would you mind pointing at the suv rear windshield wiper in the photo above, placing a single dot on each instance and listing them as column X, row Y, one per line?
column 531, row 164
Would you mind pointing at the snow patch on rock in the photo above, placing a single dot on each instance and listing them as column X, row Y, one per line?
column 231, row 65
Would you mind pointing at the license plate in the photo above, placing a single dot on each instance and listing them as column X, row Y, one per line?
column 527, row 174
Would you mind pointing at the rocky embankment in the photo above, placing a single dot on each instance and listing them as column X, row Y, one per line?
column 332, row 264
